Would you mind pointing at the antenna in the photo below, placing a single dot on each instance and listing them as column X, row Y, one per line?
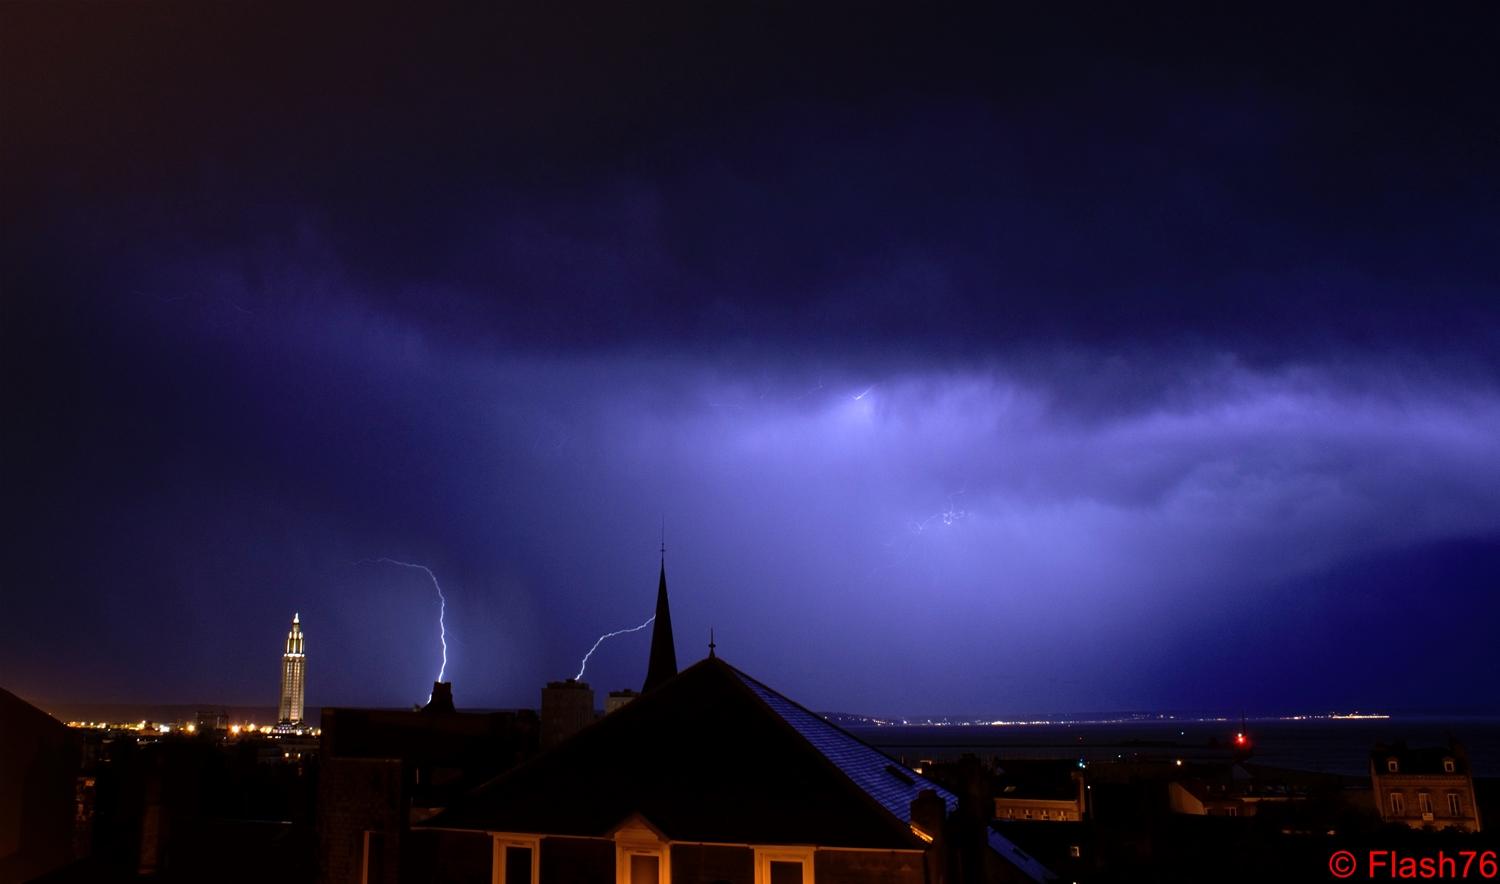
column 711, row 645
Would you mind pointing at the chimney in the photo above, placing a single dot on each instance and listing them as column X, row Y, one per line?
column 929, row 820
column 969, row 825
column 442, row 699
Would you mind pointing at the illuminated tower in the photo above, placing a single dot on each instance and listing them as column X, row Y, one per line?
column 293, row 674
column 663, row 664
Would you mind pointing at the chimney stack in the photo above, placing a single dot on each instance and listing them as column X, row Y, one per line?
column 442, row 699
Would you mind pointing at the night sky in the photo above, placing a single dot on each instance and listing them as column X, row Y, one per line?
column 977, row 361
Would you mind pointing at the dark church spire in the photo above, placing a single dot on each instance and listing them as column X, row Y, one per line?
column 663, row 663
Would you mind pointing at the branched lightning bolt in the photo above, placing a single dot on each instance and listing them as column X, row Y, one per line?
column 442, row 604
column 585, row 664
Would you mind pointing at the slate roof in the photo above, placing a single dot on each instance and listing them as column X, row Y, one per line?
column 1036, row 779
column 1420, row 760
column 892, row 785
column 713, row 755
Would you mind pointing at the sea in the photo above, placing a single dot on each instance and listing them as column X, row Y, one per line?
column 1328, row 745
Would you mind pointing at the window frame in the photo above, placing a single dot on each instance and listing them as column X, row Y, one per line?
column 764, row 856
column 1455, row 804
column 502, row 840
column 1398, row 803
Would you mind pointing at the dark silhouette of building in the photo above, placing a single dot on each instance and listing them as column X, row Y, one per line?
column 1429, row 787
column 616, row 699
column 39, row 765
column 713, row 776
column 567, row 708
column 381, row 770
column 663, row 661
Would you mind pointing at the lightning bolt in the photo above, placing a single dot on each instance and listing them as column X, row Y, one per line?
column 585, row 664
column 442, row 603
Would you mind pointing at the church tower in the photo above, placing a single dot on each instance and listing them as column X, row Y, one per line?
column 293, row 673
column 663, row 663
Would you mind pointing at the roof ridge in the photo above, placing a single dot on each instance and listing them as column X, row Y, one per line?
column 899, row 822
column 844, row 731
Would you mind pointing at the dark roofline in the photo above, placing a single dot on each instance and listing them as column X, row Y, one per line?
column 903, row 824
column 646, row 701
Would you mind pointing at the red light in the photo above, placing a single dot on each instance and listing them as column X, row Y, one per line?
column 1240, row 740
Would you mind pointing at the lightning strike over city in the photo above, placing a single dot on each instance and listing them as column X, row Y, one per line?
column 1078, row 425
column 599, row 641
column 442, row 605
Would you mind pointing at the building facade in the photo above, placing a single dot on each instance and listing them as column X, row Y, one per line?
column 1424, row 788
column 567, row 708
column 1047, row 791
column 293, row 675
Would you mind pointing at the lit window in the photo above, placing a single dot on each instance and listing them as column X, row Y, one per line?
column 1448, row 765
column 645, row 868
column 516, row 859
column 1398, row 804
column 783, row 865
column 1455, row 808
column 1046, row 814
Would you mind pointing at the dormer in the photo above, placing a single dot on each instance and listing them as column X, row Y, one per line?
column 1392, row 765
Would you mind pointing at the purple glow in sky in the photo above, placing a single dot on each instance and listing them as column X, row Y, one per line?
column 997, row 366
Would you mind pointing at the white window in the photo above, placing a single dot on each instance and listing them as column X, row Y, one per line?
column 1392, row 766
column 1424, row 801
column 783, row 865
column 517, row 859
column 1455, row 807
column 1398, row 804
column 1448, row 765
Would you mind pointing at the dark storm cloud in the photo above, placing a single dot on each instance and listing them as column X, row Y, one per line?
column 979, row 362
column 950, row 182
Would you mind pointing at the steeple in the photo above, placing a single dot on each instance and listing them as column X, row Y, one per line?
column 663, row 663
column 293, row 674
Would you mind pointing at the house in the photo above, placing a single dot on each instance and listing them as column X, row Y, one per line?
column 712, row 776
column 1045, row 790
column 1424, row 787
